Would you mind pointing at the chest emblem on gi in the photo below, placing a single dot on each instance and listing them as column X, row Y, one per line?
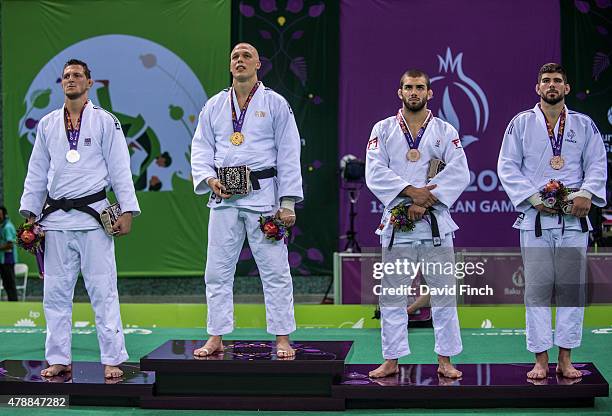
column 373, row 143
column 87, row 141
column 260, row 113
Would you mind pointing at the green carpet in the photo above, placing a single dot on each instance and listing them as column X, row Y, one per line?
column 480, row 346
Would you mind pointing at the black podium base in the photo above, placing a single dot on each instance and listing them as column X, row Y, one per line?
column 85, row 384
column 482, row 385
column 248, row 375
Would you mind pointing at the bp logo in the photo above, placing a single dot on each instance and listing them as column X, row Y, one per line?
column 153, row 93
column 464, row 104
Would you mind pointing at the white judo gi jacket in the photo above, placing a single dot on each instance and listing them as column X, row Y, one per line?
column 388, row 172
column 524, row 164
column 271, row 140
column 105, row 161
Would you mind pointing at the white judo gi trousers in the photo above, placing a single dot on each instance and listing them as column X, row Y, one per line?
column 558, row 261
column 394, row 317
column 227, row 228
column 93, row 253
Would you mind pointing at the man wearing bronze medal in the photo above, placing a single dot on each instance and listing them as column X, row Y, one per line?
column 79, row 151
column 399, row 155
column 246, row 153
column 548, row 142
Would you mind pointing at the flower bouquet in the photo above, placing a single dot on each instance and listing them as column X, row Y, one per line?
column 31, row 237
column 554, row 195
column 399, row 218
column 273, row 228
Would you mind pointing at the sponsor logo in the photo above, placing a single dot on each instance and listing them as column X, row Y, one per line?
column 464, row 103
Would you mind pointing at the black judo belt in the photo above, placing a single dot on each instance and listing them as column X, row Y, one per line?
column 584, row 226
column 261, row 174
column 79, row 204
column 435, row 231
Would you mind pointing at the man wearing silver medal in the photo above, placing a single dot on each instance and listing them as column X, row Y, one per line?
column 548, row 142
column 399, row 154
column 79, row 151
column 246, row 152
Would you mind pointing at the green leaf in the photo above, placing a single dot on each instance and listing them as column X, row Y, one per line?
column 41, row 99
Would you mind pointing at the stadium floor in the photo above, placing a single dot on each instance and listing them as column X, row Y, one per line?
column 480, row 346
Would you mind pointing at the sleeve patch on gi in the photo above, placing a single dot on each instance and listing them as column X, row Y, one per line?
column 457, row 142
column 373, row 143
column 594, row 127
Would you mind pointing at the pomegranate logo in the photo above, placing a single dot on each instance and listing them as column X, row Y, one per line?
column 518, row 277
column 461, row 92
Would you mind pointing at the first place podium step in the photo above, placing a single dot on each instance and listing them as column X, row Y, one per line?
column 247, row 375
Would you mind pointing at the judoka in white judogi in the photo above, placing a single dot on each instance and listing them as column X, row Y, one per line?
column 388, row 173
column 74, row 240
column 557, row 258
column 271, row 140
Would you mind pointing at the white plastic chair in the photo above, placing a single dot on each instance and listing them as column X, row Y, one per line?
column 21, row 269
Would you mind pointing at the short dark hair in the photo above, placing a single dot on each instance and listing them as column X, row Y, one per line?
column 415, row 73
column 551, row 67
column 78, row 62
column 4, row 211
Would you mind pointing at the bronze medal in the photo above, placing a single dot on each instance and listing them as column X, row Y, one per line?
column 557, row 162
column 237, row 138
column 413, row 155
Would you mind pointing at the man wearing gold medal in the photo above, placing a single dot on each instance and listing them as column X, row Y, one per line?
column 397, row 162
column 247, row 130
column 548, row 142
column 79, row 151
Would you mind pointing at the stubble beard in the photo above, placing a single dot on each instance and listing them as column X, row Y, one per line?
column 414, row 107
column 552, row 101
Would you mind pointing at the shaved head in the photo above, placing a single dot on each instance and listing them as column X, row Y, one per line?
column 247, row 46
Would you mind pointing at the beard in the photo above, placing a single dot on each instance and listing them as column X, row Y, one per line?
column 552, row 100
column 75, row 95
column 413, row 106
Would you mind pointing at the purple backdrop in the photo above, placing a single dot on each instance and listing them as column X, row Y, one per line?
column 483, row 57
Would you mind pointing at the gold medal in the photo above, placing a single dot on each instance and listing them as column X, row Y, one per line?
column 413, row 155
column 237, row 138
column 557, row 162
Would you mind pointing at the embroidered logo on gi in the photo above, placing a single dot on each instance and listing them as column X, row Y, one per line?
column 260, row 113
column 457, row 143
column 459, row 86
column 87, row 141
column 570, row 136
column 373, row 143
column 437, row 143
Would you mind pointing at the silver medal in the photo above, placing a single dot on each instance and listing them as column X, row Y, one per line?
column 72, row 156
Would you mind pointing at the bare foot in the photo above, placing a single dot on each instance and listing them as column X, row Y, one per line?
column 540, row 368
column 568, row 370
column 213, row 346
column 388, row 368
column 564, row 365
column 112, row 371
column 56, row 369
column 446, row 369
column 283, row 347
